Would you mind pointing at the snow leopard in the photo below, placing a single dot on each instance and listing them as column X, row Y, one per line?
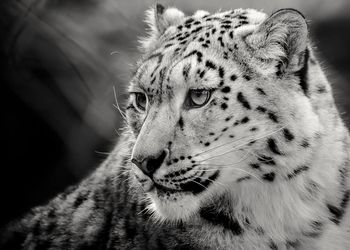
column 232, row 140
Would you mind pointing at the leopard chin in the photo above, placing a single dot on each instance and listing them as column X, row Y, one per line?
column 175, row 205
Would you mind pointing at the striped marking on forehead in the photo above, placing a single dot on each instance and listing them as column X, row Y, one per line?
column 197, row 34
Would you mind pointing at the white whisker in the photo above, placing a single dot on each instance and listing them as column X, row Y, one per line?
column 116, row 105
column 198, row 183
column 238, row 147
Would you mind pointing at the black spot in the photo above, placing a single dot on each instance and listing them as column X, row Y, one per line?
column 221, row 42
column 213, row 31
column 279, row 70
column 218, row 218
column 197, row 53
column 245, row 120
column 197, row 29
column 224, row 129
column 272, row 117
column 226, row 89
column 243, row 100
column 254, row 129
column 336, row 212
column 228, row 118
column 273, row 146
column 231, row 136
column 226, row 27
column 231, row 34
column 201, row 75
column 153, row 80
column 199, row 56
column 247, row 77
column 181, row 123
column 316, row 229
column 80, row 199
column 302, row 73
column 305, row 143
column 288, row 135
column 243, row 178
column 261, row 91
column 269, row 176
column 190, row 20
column 273, row 246
column 211, row 133
column 254, row 165
column 221, row 72
column 223, row 106
column 261, row 109
column 175, row 160
column 321, row 89
column 189, row 157
column 185, row 71
column 292, row 244
column 297, row 171
column 233, row 78
column 226, row 22
column 266, row 160
column 207, row 144
column 198, row 185
column 210, row 65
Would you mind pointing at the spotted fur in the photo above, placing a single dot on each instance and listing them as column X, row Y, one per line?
column 263, row 164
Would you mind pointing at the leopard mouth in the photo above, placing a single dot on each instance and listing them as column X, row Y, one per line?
column 194, row 186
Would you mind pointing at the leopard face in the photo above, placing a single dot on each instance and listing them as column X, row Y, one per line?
column 216, row 105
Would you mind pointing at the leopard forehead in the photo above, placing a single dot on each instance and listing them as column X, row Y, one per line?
column 200, row 43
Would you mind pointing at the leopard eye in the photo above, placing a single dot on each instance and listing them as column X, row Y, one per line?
column 198, row 97
column 140, row 101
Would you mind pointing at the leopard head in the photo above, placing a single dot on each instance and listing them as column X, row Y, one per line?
column 217, row 102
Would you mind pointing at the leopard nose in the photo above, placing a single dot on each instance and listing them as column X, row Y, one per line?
column 150, row 164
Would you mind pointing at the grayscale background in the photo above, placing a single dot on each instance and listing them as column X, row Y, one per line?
column 60, row 60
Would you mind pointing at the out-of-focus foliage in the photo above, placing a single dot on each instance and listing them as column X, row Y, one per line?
column 60, row 60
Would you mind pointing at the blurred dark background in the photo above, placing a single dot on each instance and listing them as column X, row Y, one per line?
column 60, row 61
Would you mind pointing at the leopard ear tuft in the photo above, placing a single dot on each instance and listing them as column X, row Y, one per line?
column 283, row 38
column 159, row 19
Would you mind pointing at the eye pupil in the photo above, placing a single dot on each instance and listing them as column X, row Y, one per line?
column 199, row 97
column 141, row 101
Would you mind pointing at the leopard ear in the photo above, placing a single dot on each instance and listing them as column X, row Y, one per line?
column 281, row 38
column 159, row 19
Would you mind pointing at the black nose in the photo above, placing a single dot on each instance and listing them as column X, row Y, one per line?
column 150, row 164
